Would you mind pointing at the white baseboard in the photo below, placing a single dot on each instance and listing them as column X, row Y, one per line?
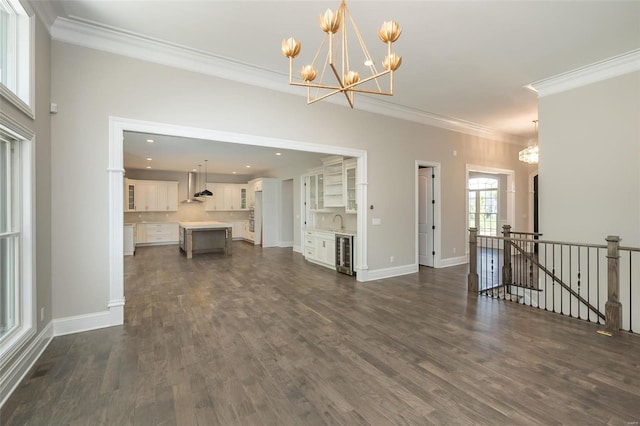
column 379, row 274
column 297, row 249
column 14, row 375
column 453, row 261
column 79, row 323
column 285, row 244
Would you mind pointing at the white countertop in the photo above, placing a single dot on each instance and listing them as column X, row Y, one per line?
column 334, row 231
column 205, row 225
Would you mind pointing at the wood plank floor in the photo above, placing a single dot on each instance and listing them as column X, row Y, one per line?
column 265, row 338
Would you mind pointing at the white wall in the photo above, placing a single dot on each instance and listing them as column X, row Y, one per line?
column 19, row 363
column 90, row 86
column 590, row 162
column 286, row 212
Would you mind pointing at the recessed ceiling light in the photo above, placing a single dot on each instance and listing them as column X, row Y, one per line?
column 150, row 140
column 149, row 158
column 278, row 153
column 148, row 167
column 193, row 170
column 233, row 173
column 248, row 167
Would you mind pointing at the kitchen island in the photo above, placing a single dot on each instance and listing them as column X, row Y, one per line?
column 205, row 237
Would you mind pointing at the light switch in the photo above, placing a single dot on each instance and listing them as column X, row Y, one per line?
column 376, row 221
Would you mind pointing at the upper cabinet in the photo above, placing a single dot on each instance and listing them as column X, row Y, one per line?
column 333, row 182
column 226, row 197
column 150, row 196
column 315, row 189
column 350, row 167
column 332, row 185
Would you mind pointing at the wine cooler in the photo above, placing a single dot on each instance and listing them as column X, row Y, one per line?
column 344, row 254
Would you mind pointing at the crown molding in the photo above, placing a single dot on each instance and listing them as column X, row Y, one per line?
column 599, row 71
column 46, row 10
column 113, row 40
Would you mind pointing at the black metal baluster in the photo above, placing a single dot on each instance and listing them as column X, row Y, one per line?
column 570, row 283
column 546, row 290
column 553, row 281
column 579, row 307
column 598, row 283
column 630, row 287
column 561, row 278
column 589, row 282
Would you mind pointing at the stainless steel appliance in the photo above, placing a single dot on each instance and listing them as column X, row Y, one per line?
column 344, row 254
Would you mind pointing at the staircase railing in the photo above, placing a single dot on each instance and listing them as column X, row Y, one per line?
column 573, row 279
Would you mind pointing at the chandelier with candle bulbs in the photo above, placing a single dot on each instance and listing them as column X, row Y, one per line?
column 348, row 79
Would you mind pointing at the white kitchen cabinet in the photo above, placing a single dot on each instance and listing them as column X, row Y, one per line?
column 246, row 235
column 332, row 172
column 129, row 195
column 243, row 198
column 156, row 233
column 150, row 196
column 350, row 169
column 251, row 195
column 226, row 197
column 129, row 239
column 146, row 196
column 315, row 189
column 213, row 201
column 237, row 230
column 320, row 247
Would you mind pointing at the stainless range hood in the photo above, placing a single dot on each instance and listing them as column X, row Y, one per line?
column 192, row 185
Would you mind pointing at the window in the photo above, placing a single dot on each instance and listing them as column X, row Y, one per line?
column 17, row 242
column 9, row 236
column 483, row 205
column 15, row 53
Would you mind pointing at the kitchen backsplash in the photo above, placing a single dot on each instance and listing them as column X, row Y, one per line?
column 185, row 213
column 326, row 220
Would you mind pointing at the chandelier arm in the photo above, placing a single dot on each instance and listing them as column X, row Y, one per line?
column 325, row 96
column 324, row 71
column 290, row 70
column 363, row 46
column 340, row 89
column 318, row 86
column 345, row 47
column 373, row 77
column 324, row 39
column 342, row 85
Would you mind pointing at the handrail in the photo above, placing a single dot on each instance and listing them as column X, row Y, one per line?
column 561, row 243
column 526, row 233
column 629, row 248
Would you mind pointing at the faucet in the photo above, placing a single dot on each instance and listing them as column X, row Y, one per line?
column 341, row 221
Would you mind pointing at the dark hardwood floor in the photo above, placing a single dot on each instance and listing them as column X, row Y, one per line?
column 265, row 338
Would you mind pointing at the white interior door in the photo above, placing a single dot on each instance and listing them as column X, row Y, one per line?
column 425, row 216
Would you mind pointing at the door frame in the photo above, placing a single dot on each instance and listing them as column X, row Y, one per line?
column 437, row 234
column 510, row 191
column 115, row 171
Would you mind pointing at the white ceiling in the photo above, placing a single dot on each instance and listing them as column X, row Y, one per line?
column 463, row 61
column 179, row 154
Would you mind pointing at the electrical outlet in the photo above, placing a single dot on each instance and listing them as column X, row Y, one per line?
column 454, row 250
column 42, row 314
column 392, row 259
